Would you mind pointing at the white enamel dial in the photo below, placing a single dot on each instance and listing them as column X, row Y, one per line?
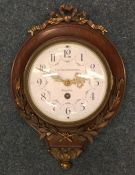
column 67, row 81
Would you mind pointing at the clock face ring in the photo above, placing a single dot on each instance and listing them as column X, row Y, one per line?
column 73, row 33
column 73, row 104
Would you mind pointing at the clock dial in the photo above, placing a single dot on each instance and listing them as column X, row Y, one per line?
column 67, row 81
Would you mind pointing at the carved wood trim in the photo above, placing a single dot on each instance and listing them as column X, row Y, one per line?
column 46, row 130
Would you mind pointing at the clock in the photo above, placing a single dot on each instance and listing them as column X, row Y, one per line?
column 68, row 81
column 81, row 77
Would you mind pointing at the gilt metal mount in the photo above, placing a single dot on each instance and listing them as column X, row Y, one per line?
column 67, row 14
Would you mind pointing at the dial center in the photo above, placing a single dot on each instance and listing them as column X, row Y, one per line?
column 67, row 95
column 67, row 83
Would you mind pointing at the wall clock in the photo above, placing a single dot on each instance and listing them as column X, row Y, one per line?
column 68, row 81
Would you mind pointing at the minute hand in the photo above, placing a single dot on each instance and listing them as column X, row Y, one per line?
column 79, row 81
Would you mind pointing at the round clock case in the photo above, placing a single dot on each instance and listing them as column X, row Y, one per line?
column 71, row 119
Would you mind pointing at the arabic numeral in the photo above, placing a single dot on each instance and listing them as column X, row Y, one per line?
column 54, row 108
column 39, row 81
column 53, row 58
column 93, row 66
column 83, row 106
column 97, row 83
column 81, row 57
column 92, row 96
column 67, row 53
column 42, row 67
column 68, row 111
column 43, row 96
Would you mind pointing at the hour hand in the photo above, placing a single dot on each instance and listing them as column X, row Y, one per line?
column 57, row 78
column 66, row 82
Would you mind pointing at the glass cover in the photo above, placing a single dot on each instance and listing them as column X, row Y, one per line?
column 67, row 81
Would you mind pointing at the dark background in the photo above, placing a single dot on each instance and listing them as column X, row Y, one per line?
column 21, row 151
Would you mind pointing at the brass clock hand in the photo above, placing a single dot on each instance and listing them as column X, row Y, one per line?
column 58, row 78
column 79, row 81
column 66, row 82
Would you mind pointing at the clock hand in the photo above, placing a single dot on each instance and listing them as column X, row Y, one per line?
column 66, row 82
column 79, row 81
column 58, row 78
column 47, row 73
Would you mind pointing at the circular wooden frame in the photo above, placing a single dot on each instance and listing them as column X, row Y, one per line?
column 66, row 142
column 26, row 73
column 74, row 32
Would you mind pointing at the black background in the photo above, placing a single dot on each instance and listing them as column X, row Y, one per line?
column 21, row 151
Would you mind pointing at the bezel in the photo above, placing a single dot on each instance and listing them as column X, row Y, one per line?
column 33, row 58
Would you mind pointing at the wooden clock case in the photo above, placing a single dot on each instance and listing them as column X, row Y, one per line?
column 67, row 142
